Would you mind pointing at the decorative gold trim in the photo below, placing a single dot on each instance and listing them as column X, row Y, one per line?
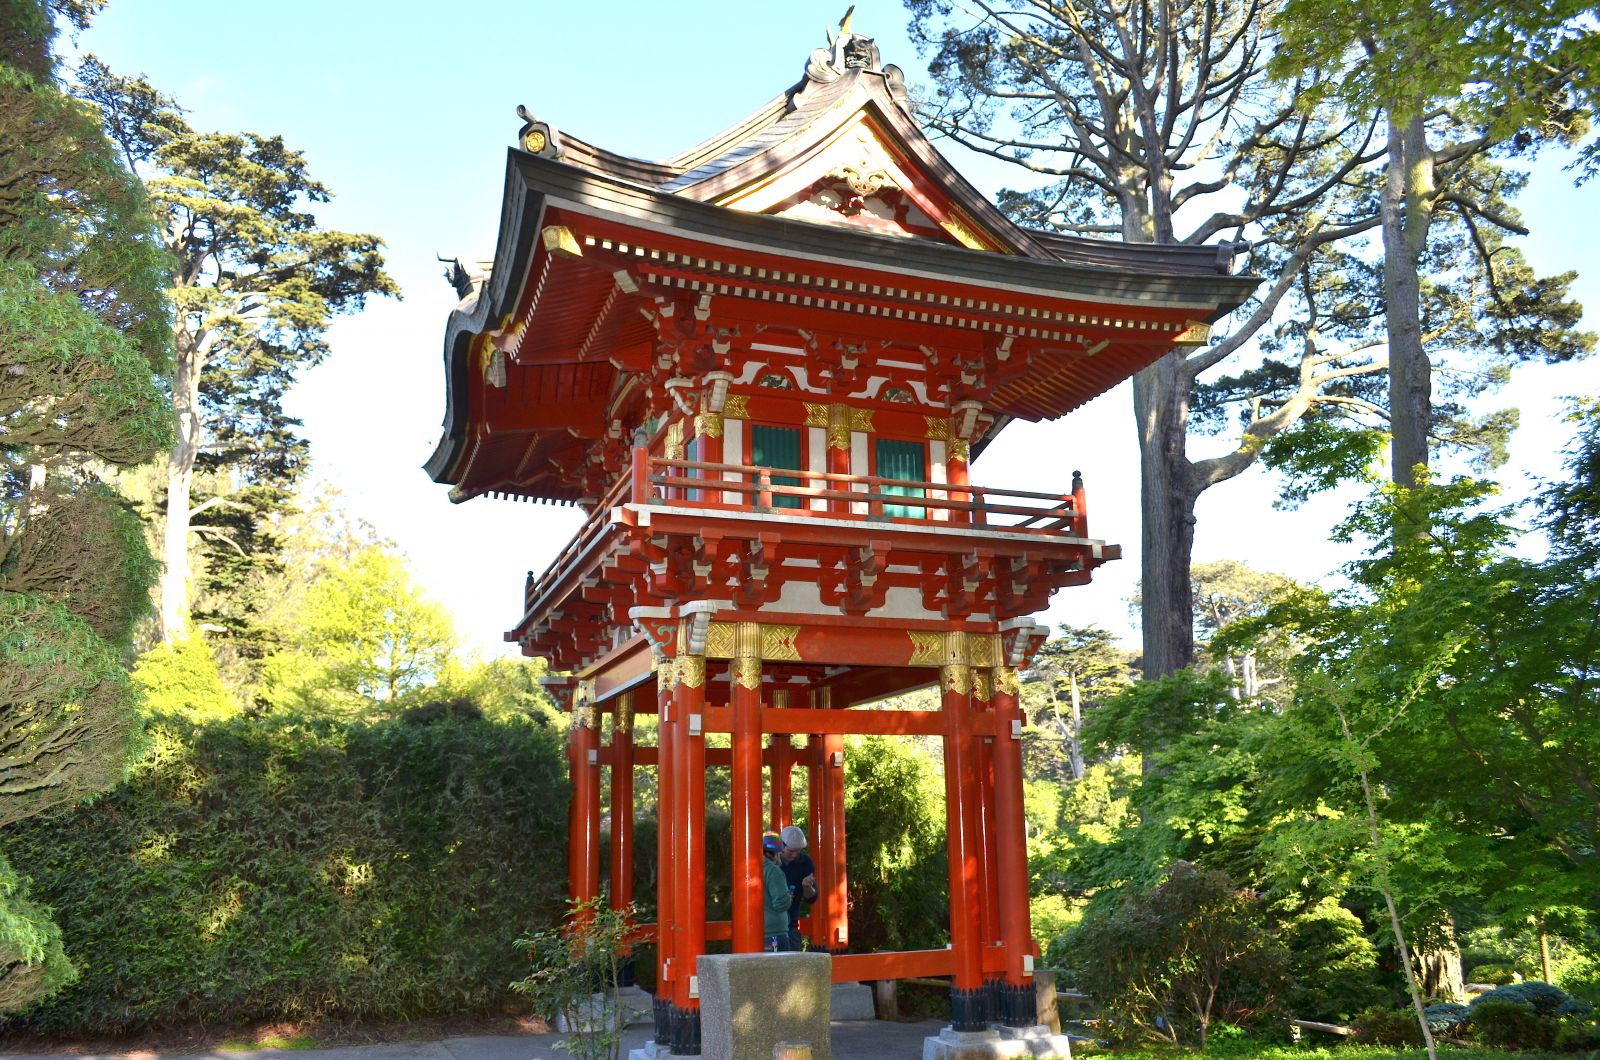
column 960, row 450
column 861, row 420
column 708, row 424
column 692, row 671
column 534, row 141
column 719, row 640
column 666, row 671
column 838, row 422
column 778, row 643
column 982, row 684
column 672, row 448
column 938, row 428
column 1007, row 681
column 747, row 640
column 781, row 698
column 584, row 713
column 737, row 407
column 816, row 415
column 1194, row 333
column 747, row 673
column 962, row 234
column 623, row 718
column 558, row 239
column 983, row 649
column 927, row 649
column 956, row 678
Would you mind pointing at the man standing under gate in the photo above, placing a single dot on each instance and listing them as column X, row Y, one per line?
column 801, row 875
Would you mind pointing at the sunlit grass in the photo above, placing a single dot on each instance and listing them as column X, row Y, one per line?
column 267, row 1041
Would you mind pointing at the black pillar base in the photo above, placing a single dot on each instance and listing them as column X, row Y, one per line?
column 685, row 1031
column 969, row 1009
column 661, row 1009
column 1019, row 1005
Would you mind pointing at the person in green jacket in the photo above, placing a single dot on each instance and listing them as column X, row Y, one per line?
column 775, row 896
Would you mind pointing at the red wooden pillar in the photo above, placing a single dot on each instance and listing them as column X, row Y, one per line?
column 689, row 853
column 819, row 823
column 583, row 759
column 746, row 788
column 781, row 755
column 967, row 1009
column 983, row 747
column 838, row 452
column 834, row 865
column 1017, row 1004
column 622, row 801
column 955, row 472
column 666, row 851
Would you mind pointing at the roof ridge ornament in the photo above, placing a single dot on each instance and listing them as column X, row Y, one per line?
column 847, row 52
column 537, row 137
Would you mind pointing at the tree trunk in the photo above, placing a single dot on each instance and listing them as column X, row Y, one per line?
column 1441, row 968
column 1075, row 737
column 1406, row 209
column 180, row 485
column 1161, row 406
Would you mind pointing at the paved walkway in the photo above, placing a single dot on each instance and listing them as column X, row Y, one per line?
column 864, row 1040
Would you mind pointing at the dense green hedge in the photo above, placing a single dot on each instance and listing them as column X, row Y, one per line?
column 261, row 869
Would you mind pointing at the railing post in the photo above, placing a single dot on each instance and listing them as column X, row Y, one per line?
column 1080, row 507
column 640, row 473
column 764, row 489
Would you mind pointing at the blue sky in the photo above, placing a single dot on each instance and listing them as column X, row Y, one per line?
column 405, row 110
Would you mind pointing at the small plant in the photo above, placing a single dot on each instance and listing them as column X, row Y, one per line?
column 576, row 969
column 1545, row 999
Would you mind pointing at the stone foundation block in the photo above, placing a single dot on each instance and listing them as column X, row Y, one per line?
column 749, row 1002
column 853, row 1001
column 1003, row 1043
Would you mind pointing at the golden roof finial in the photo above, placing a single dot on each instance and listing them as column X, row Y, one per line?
column 844, row 23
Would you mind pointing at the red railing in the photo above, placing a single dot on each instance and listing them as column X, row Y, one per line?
column 741, row 487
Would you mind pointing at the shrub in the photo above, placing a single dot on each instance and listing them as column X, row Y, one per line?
column 1545, row 999
column 1511, row 1024
column 1191, row 952
column 1578, row 1035
column 1445, row 1017
column 1333, row 964
column 271, row 869
column 1495, row 973
column 1388, row 1027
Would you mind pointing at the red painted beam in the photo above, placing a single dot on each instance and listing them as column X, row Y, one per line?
column 858, row 721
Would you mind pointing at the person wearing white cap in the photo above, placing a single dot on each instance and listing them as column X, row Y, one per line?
column 801, row 875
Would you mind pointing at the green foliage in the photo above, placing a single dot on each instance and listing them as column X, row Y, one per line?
column 181, row 678
column 1545, row 999
column 365, row 636
column 1445, row 1017
column 1387, row 1026
column 69, row 721
column 70, row 383
column 32, row 963
column 1332, row 964
column 894, row 817
column 83, row 340
column 1171, row 961
column 274, row 869
column 1511, row 1024
column 1495, row 973
column 84, row 548
column 575, row 968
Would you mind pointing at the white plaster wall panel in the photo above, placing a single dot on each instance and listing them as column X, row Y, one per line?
column 817, row 460
column 733, row 453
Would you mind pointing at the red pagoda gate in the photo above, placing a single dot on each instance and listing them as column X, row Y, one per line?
column 763, row 368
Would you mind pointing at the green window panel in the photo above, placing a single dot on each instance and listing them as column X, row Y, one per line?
column 902, row 460
column 777, row 447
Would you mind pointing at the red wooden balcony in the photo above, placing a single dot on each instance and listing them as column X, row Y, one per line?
column 820, row 499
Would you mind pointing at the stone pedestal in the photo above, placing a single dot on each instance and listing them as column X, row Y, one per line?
column 749, row 1002
column 633, row 1003
column 853, row 1001
column 1003, row 1043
